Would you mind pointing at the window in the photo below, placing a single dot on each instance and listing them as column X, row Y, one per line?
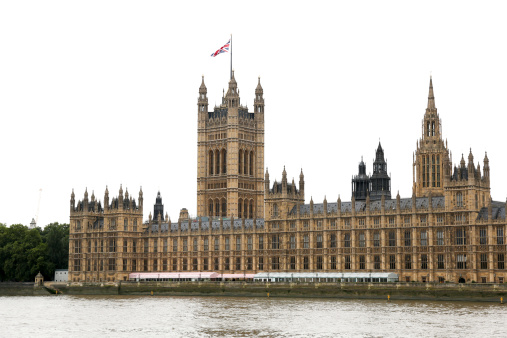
column 306, row 263
column 440, row 262
column 217, row 244
column 216, row 265
column 423, row 219
column 501, row 261
column 261, row 263
column 483, row 238
column 461, row 236
column 292, row 241
column 392, row 262
column 164, row 265
column 175, row 264
column 250, row 243
column 145, row 265
column 275, row 242
column 319, row 262
column 185, row 264
column 165, row 245
column 195, row 247
column 333, row 223
column 134, row 246
column 293, row 225
column 125, row 225
column 155, row 265
column 293, row 263
column 227, row 263
column 319, row 224
column 424, row 238
column 306, row 224
column 376, row 262
column 238, row 263
column 146, row 246
column 408, row 262
column 376, row 239
column 346, row 240
column 376, row 221
column 440, row 237
column 125, row 245
column 391, row 221
column 484, row 261
column 77, row 246
column 333, row 262
column 238, row 243
column 227, row 246
column 362, row 240
column 332, row 241
column 206, row 244
column 461, row 261
column 249, row 263
column 392, row 238
column 77, row 265
column 347, row 262
column 155, row 245
column 440, row 219
column 407, row 221
column 205, row 266
column 306, row 241
column 185, row 244
column 424, row 262
column 459, row 199
column 408, row 241
column 175, row 244
column 135, row 225
column 134, row 265
column 261, row 242
column 319, row 241
column 362, row 262
column 499, row 236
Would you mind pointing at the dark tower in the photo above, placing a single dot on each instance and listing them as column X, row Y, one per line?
column 158, row 208
column 380, row 182
column 360, row 183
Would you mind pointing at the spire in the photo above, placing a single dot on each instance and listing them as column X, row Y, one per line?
column 258, row 89
column 431, row 97
column 202, row 88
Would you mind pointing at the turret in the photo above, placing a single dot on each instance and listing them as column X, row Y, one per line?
column 302, row 183
column 140, row 199
column 259, row 99
column 486, row 167
column 266, row 182
column 72, row 201
column 106, row 199
column 202, row 100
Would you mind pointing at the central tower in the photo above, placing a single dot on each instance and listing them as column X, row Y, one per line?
column 230, row 155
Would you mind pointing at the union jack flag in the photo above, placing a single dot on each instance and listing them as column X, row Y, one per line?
column 223, row 49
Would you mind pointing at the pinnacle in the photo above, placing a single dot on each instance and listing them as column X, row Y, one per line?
column 431, row 97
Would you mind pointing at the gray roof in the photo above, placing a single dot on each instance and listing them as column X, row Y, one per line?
column 205, row 225
column 497, row 211
column 405, row 203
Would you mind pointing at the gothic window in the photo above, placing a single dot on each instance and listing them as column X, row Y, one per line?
column 275, row 210
column 216, row 264
column 424, row 238
column 238, row 243
column 155, row 265
column 194, row 245
column 392, row 262
column 459, row 199
column 224, row 161
column 438, row 170
column 206, row 244
column 362, row 262
column 424, row 170
column 155, row 245
column 217, row 244
column 433, row 171
column 240, row 161
column 164, row 265
column 293, row 263
column 185, row 244
column 134, row 246
column 204, row 264
column 238, row 263
column 185, row 264
column 346, row 240
column 392, row 238
column 224, row 207
column 251, row 172
column 217, row 162
column 461, row 237
column 376, row 239
column 217, row 208
column 501, row 261
column 210, row 162
column 251, row 209
column 483, row 239
column 306, row 241
column 484, row 261
column 428, row 130
column 125, row 225
column 227, row 246
column 347, row 262
column 292, row 241
column 250, row 243
column 440, row 237
column 165, row 245
column 408, row 262
column 424, row 261
column 175, row 264
column 440, row 262
column 499, row 236
column 275, row 242
column 461, row 261
column 175, row 245
column 332, row 241
column 376, row 262
column 362, row 240
column 227, row 264
column 261, row 242
column 240, row 208
column 408, row 241
column 319, row 241
column 320, row 262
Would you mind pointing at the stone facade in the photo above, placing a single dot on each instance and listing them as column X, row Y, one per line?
column 448, row 230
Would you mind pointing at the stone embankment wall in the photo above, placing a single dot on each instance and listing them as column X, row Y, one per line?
column 393, row 291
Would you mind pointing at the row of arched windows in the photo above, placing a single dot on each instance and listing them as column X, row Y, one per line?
column 217, row 162
column 217, row 207
column 245, row 208
column 246, row 162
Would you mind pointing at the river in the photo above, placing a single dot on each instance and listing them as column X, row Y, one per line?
column 111, row 316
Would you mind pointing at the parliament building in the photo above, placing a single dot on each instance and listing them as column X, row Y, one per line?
column 448, row 230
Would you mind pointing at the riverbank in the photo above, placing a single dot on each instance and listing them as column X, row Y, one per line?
column 393, row 291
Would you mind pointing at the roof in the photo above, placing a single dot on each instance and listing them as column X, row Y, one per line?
column 205, row 224
column 405, row 203
column 497, row 211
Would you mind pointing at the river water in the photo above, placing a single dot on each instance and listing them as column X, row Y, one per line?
column 111, row 316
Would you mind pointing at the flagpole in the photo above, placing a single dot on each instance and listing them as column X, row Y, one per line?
column 231, row 56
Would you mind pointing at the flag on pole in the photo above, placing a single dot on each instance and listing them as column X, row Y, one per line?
column 223, row 49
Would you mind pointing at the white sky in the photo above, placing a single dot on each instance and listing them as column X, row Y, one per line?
column 96, row 93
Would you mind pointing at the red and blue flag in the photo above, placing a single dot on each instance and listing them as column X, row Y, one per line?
column 223, row 49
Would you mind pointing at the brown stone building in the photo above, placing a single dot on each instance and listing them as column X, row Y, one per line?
column 448, row 230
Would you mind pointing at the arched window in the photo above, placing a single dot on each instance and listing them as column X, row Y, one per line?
column 240, row 161
column 251, row 163
column 224, row 207
column 217, row 208
column 224, row 161
column 211, row 162
column 245, row 209
column 433, row 128
column 210, row 208
column 217, row 162
column 245, row 156
column 428, row 129
column 275, row 210
column 250, row 213
column 240, row 208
